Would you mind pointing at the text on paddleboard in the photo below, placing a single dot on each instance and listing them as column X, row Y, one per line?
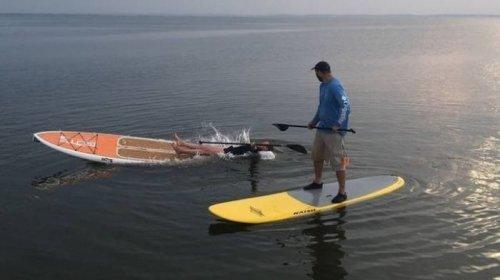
column 80, row 143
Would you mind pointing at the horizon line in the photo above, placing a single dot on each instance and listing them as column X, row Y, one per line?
column 250, row 15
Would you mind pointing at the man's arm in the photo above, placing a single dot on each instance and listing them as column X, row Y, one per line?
column 343, row 101
column 315, row 120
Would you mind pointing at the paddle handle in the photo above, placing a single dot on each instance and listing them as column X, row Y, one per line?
column 324, row 128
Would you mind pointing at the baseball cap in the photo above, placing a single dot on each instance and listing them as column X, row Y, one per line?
column 322, row 66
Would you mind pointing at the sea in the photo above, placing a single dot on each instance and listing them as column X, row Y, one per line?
column 424, row 93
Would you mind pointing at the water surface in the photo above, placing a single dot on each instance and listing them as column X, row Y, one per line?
column 424, row 93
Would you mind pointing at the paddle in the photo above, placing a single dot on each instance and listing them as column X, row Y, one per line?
column 284, row 126
column 295, row 147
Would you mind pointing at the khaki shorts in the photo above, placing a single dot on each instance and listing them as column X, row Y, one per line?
column 329, row 147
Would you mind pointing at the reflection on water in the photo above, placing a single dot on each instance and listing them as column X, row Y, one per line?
column 324, row 247
column 492, row 75
column 63, row 178
column 254, row 173
column 485, row 171
column 223, row 227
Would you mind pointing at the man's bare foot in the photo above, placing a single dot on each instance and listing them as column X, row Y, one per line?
column 177, row 138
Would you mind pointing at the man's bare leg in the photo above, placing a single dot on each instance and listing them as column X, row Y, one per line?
column 341, row 195
column 184, row 150
column 181, row 142
column 318, row 171
column 211, row 149
column 204, row 150
column 318, row 175
column 179, row 150
column 341, row 180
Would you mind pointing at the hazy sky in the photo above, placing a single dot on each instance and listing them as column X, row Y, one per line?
column 253, row 7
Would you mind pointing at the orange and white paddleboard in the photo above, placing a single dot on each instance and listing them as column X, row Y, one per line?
column 109, row 148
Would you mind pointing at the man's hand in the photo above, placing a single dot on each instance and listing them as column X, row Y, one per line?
column 310, row 126
column 335, row 128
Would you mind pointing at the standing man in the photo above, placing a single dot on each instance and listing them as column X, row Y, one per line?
column 332, row 113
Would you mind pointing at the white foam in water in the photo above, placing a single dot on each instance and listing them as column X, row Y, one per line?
column 242, row 136
column 267, row 155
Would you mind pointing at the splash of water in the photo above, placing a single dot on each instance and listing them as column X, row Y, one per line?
column 241, row 136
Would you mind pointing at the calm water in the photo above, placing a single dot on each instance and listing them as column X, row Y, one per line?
column 424, row 93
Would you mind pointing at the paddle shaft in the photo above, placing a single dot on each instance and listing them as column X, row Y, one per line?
column 239, row 143
column 317, row 127
column 295, row 147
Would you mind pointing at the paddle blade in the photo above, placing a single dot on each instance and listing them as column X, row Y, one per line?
column 297, row 148
column 281, row 126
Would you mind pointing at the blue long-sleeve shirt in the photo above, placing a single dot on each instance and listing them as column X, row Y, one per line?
column 334, row 106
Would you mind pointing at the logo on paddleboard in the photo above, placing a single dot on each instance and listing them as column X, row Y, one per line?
column 256, row 211
column 305, row 211
column 107, row 160
column 80, row 143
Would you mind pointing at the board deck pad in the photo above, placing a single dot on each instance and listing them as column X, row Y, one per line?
column 109, row 148
column 155, row 144
column 129, row 152
column 354, row 188
column 299, row 202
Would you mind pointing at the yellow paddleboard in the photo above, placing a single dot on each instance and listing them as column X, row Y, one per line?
column 299, row 203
